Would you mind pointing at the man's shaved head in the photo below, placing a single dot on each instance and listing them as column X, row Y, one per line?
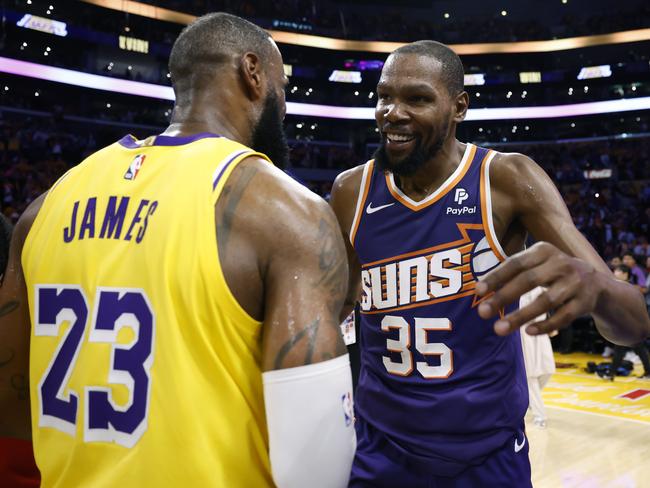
column 212, row 40
column 451, row 71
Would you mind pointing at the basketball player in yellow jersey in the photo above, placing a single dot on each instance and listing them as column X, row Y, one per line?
column 184, row 296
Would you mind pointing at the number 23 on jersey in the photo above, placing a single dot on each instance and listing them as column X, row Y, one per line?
column 130, row 364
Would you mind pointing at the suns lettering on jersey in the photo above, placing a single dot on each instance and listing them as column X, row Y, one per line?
column 421, row 278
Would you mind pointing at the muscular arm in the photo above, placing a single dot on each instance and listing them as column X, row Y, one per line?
column 343, row 201
column 284, row 260
column 14, row 337
column 577, row 279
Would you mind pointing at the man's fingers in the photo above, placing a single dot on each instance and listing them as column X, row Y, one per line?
column 511, row 267
column 512, row 290
column 562, row 317
column 551, row 299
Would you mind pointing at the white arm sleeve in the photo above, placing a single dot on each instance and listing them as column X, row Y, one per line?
column 311, row 424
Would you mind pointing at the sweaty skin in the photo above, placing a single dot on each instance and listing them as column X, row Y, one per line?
column 413, row 99
column 278, row 243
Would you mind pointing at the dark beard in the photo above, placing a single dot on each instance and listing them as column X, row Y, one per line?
column 268, row 135
column 414, row 161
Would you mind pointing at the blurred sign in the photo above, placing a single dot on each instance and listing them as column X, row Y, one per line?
column 364, row 64
column 530, row 77
column 598, row 174
column 288, row 70
column 134, row 44
column 341, row 76
column 588, row 72
column 475, row 79
column 43, row 25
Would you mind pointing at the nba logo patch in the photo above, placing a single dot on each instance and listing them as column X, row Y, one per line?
column 134, row 167
column 348, row 410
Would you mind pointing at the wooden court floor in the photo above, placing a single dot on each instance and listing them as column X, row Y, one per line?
column 598, row 432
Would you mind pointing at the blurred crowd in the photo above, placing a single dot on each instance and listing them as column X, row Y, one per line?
column 612, row 212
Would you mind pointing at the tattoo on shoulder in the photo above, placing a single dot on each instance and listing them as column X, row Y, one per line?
column 8, row 307
column 231, row 195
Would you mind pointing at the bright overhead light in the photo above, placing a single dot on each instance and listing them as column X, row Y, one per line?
column 504, row 13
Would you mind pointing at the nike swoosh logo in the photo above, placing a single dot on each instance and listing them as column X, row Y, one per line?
column 371, row 210
column 519, row 447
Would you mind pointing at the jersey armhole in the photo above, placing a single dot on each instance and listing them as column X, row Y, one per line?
column 486, row 208
column 364, row 189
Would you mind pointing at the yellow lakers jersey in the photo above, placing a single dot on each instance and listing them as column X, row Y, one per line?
column 144, row 369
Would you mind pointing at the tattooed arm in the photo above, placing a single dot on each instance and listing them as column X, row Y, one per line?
column 14, row 337
column 5, row 238
column 284, row 260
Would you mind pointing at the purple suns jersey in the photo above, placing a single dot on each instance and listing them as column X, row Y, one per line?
column 435, row 379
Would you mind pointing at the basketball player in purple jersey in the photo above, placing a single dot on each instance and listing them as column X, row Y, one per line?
column 436, row 229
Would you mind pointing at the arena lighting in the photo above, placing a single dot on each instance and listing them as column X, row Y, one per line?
column 152, row 12
column 78, row 78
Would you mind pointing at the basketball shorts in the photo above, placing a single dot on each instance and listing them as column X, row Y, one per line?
column 375, row 466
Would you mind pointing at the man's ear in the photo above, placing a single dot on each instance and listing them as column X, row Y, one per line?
column 462, row 104
column 251, row 73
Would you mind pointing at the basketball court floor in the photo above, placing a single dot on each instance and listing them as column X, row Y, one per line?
column 598, row 432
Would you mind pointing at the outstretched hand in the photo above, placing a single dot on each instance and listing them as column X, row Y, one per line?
column 572, row 289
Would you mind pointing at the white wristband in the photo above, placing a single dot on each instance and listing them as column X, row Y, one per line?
column 310, row 422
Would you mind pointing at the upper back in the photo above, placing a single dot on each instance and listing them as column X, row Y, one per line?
column 123, row 255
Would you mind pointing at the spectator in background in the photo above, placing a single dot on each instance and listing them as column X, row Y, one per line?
column 539, row 361
column 615, row 261
column 636, row 275
column 623, row 273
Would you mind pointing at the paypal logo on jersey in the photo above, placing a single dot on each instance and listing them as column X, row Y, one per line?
column 459, row 197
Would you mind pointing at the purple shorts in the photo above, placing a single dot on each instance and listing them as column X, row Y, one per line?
column 376, row 465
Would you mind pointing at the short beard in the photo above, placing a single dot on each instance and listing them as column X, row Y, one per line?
column 414, row 161
column 268, row 134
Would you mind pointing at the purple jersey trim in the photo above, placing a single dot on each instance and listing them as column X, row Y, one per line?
column 225, row 166
column 130, row 142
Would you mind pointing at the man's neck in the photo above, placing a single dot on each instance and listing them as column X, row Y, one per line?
column 190, row 120
column 434, row 172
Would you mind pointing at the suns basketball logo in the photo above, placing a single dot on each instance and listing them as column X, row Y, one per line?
column 134, row 167
column 483, row 259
